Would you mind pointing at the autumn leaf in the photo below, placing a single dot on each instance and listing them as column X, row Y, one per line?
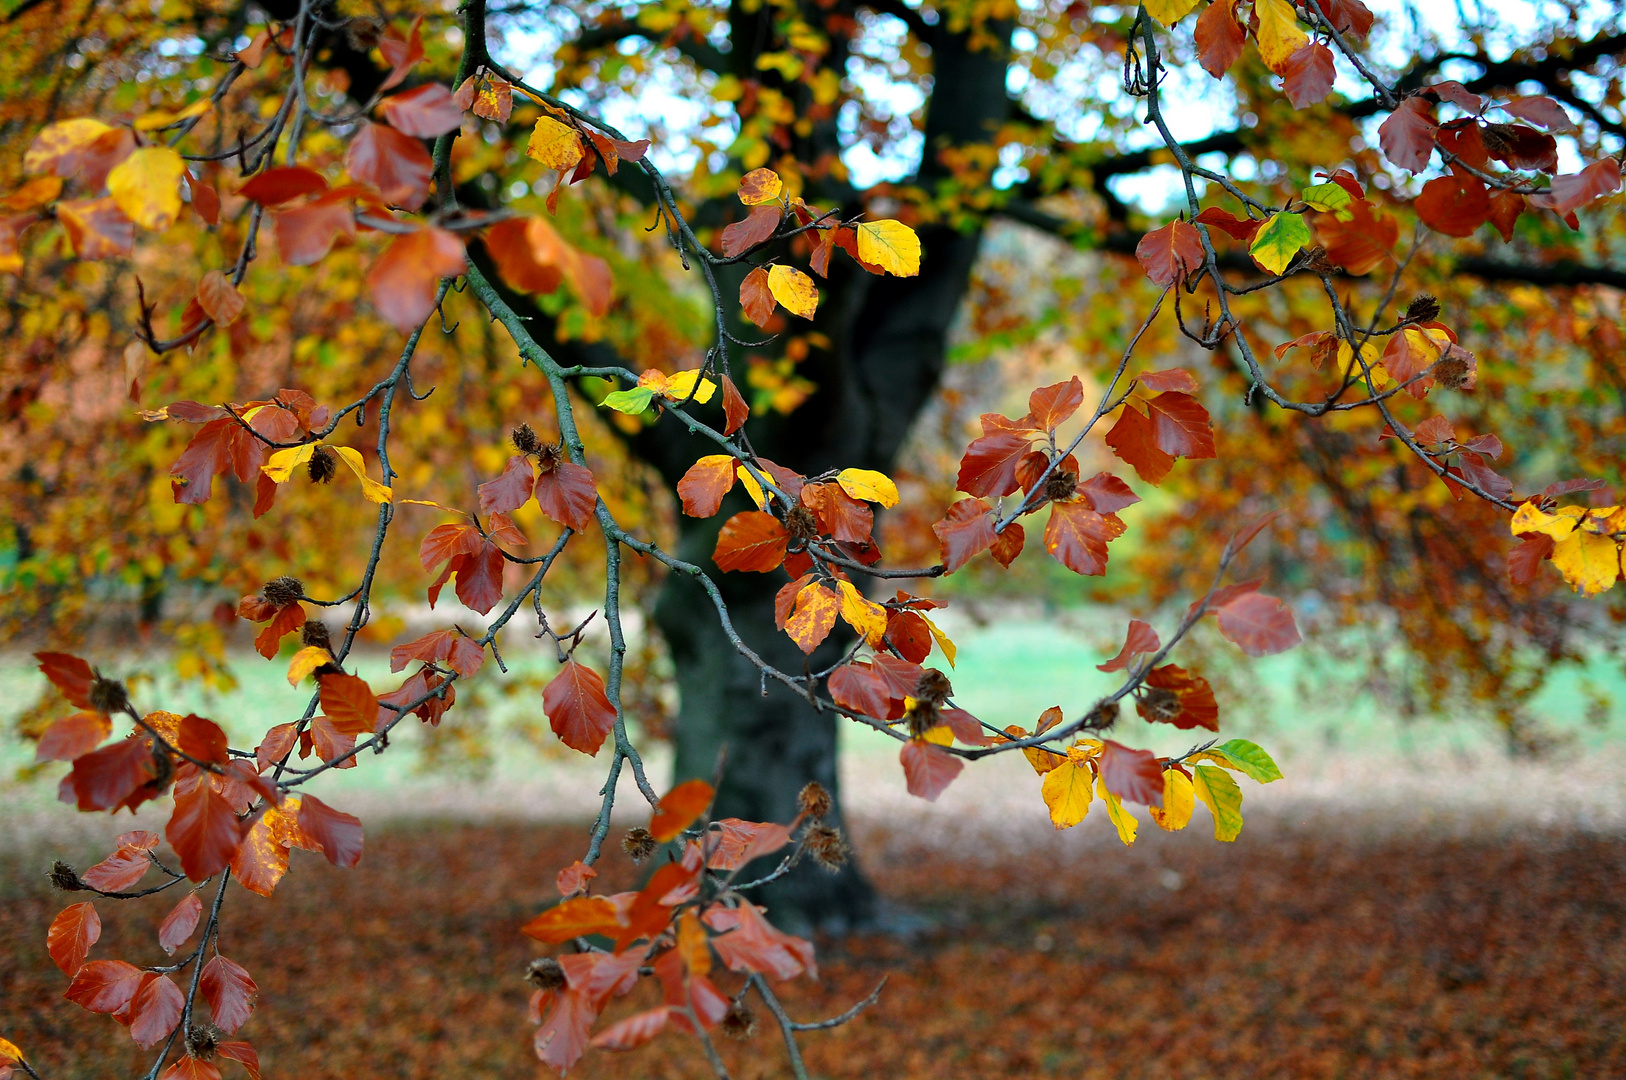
column 578, row 917
column 760, row 186
column 793, row 289
column 1407, row 136
column 1169, row 12
column 1260, row 625
column 423, row 112
column 1219, row 37
column 1134, row 775
column 104, row 986
column 71, row 934
column 1141, row 638
column 1217, row 791
column 756, row 228
column 568, row 494
column 966, row 531
column 230, row 992
column 751, row 540
column 1278, row 34
column 394, row 163
column 678, row 809
column 337, row 835
column 178, row 925
column 756, row 299
column 928, row 768
column 814, row 616
column 1170, row 253
column 891, row 245
column 1077, row 537
column 1122, row 820
column 204, row 830
column 555, row 145
column 1281, row 237
column 1308, row 74
column 707, row 481
column 868, row 485
column 1179, row 799
column 403, row 281
column 147, row 186
column 1068, row 790
column 578, row 708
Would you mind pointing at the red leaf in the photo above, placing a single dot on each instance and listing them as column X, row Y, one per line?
column 462, row 654
column 1407, row 136
column 187, row 1067
column 989, row 465
column 1169, row 379
column 179, row 923
column 1521, row 147
column 856, row 688
column 204, row 830
column 574, row 878
column 338, row 834
column 1243, row 229
column 1524, row 561
column 1505, row 208
column 1309, row 74
column 739, row 842
column 305, row 234
column 1106, row 493
column 578, row 708
column 1051, row 405
column 509, row 491
column 735, row 410
column 73, row 736
column 839, row 514
column 1347, row 16
column 814, row 617
column 755, row 299
column 69, row 674
column 1133, row 439
column 1454, row 205
column 479, row 578
column 966, row 728
column 105, row 778
column 928, row 768
column 1008, row 543
column 1571, row 191
column 965, row 531
column 634, row 1031
column 1170, row 253
column 1132, row 775
column 104, row 986
column 749, row 942
column 230, row 992
column 401, row 53
column 1077, row 536
column 908, row 633
column 1540, row 110
column 424, row 111
column 282, row 183
column 446, row 541
column 1361, row 244
column 679, row 808
column 568, row 494
column 1219, row 37
column 96, row 228
column 155, row 1010
column 284, row 622
column 760, row 224
column 1180, row 426
column 202, row 740
column 243, row 1054
column 1260, row 625
column 1140, row 639
column 403, row 281
column 349, row 703
column 703, row 487
column 118, row 871
column 562, row 1038
column 577, row 917
column 71, row 935
column 394, row 163
column 751, row 540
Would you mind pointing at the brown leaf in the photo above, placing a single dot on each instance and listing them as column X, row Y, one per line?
column 423, row 112
column 757, row 227
column 403, row 281
column 394, row 163
column 577, row 707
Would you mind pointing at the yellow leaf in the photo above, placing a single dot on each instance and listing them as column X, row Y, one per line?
column 554, row 144
column 59, row 140
column 1529, row 518
column 1067, row 790
column 793, row 289
column 147, row 186
column 305, row 661
column 752, row 488
column 372, row 489
column 942, row 735
column 1178, row 801
column 1169, row 12
column 1279, row 34
column 8, row 1050
column 158, row 118
column 943, row 641
column 1220, row 793
column 869, row 486
column 1346, row 359
column 1588, row 561
column 891, row 245
column 436, row 505
column 760, row 186
column 865, row 616
column 1121, row 819
column 281, row 465
column 680, row 385
column 816, row 610
column 691, row 943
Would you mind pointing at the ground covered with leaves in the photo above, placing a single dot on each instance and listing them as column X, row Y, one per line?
column 1287, row 955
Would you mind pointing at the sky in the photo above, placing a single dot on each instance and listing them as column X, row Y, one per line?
column 660, row 109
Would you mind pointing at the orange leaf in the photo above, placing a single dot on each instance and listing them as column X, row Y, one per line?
column 71, row 935
column 679, row 808
column 703, row 487
column 403, row 281
column 204, row 830
column 220, row 299
column 73, row 736
column 338, row 835
column 751, row 540
column 577, row 917
column 928, row 768
column 578, row 708
column 230, row 992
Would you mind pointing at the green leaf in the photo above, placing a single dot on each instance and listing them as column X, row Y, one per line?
column 632, row 402
column 1329, row 199
column 1279, row 240
column 1251, row 759
column 1222, row 797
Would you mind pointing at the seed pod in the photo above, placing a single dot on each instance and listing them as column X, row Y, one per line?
column 934, row 688
column 801, row 524
column 740, row 1022
column 546, row 973
column 548, row 457
column 1159, row 703
column 827, row 846
column 323, row 465
column 1454, row 370
column 283, row 591
column 65, row 878
column 525, row 439
column 364, row 33
column 108, row 695
column 1104, row 715
column 814, row 801
column 202, row 1040
column 638, row 843
column 1060, row 485
column 1423, row 308
column 314, row 632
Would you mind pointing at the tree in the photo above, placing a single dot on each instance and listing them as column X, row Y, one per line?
column 856, row 290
